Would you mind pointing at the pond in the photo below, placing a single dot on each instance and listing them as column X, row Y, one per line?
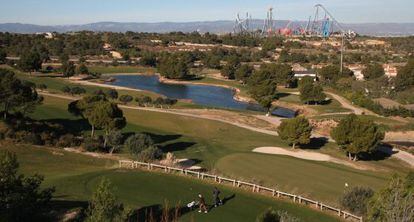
column 211, row 96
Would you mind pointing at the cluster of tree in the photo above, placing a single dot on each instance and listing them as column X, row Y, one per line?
column 405, row 77
column 143, row 147
column 373, row 71
column 359, row 99
column 30, row 61
column 172, row 66
column 76, row 90
column 357, row 136
column 229, row 70
column 148, row 59
column 100, row 114
column 395, row 202
column 158, row 102
column 3, row 56
column 285, row 56
column 81, row 43
column 21, row 197
column 262, row 84
column 332, row 73
column 296, row 131
column 311, row 92
column 17, row 96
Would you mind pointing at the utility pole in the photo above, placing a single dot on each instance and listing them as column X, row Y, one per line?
column 342, row 53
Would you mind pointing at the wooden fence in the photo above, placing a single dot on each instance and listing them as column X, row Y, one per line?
column 237, row 183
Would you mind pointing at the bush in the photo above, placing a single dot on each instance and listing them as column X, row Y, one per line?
column 48, row 138
column 77, row 90
column 355, row 199
column 67, row 140
column 31, row 138
column 112, row 93
column 66, row 89
column 272, row 215
column 92, row 144
column 125, row 99
column 150, row 154
column 138, row 143
column 42, row 86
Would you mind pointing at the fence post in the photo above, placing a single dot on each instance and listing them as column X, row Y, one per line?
column 278, row 194
column 254, row 188
column 234, row 183
column 339, row 212
column 238, row 183
column 165, row 169
column 273, row 193
column 198, row 175
column 294, row 198
column 202, row 176
column 316, row 205
column 148, row 166
column 215, row 178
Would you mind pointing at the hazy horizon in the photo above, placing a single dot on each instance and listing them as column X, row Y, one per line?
column 78, row 12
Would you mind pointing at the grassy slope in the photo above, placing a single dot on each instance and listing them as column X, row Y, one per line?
column 76, row 176
column 228, row 149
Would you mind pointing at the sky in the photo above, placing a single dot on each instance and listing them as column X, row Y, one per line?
column 65, row 12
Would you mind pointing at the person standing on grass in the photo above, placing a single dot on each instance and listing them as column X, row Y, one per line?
column 202, row 204
column 216, row 195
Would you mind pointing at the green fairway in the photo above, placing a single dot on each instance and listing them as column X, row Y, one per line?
column 322, row 180
column 221, row 146
column 76, row 176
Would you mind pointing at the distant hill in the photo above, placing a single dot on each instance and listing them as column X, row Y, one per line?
column 374, row 29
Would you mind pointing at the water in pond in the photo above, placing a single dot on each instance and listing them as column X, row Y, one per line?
column 212, row 96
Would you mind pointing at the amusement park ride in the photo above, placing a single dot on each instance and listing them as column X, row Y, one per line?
column 323, row 25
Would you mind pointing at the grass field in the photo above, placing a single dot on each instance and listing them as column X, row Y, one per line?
column 75, row 177
column 227, row 148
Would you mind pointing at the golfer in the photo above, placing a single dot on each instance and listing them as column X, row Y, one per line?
column 202, row 204
column 216, row 195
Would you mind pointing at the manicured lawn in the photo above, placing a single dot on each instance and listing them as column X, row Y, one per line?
column 319, row 180
column 228, row 148
column 75, row 177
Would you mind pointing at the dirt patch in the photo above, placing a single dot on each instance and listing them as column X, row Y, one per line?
column 407, row 136
column 324, row 126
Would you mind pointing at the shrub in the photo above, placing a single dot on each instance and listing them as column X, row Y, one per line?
column 272, row 215
column 125, row 99
column 31, row 138
column 66, row 89
column 42, row 86
column 92, row 144
column 48, row 138
column 150, row 154
column 355, row 199
column 138, row 143
column 77, row 90
column 112, row 93
column 67, row 140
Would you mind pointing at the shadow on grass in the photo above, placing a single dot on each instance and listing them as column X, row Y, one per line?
column 315, row 143
column 383, row 152
column 282, row 95
column 59, row 208
column 71, row 126
column 178, row 146
column 158, row 213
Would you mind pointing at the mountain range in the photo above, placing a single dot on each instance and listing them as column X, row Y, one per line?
column 223, row 26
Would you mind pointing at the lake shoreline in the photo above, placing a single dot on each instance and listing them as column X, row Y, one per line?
column 161, row 79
